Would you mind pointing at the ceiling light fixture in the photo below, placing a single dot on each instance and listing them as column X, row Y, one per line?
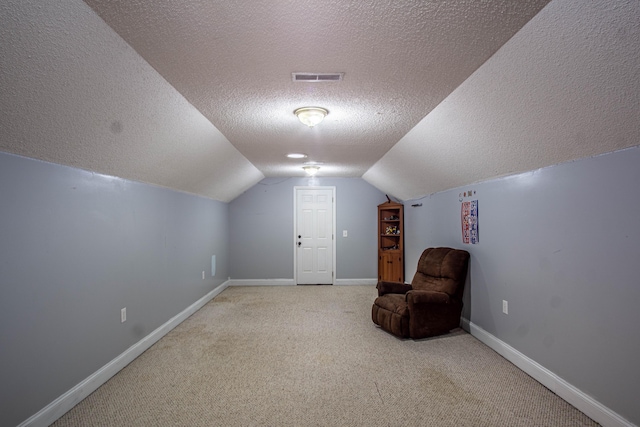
column 297, row 156
column 311, row 170
column 311, row 116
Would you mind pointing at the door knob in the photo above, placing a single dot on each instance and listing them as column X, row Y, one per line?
column 299, row 243
column 299, row 236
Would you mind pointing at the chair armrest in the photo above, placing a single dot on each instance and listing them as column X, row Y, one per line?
column 392, row 288
column 428, row 297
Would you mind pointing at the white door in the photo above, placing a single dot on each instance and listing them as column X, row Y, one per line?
column 314, row 235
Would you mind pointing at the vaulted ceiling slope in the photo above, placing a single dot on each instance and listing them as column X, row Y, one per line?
column 198, row 97
column 73, row 92
column 566, row 86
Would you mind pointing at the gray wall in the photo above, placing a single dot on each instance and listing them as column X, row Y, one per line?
column 561, row 245
column 76, row 247
column 261, row 228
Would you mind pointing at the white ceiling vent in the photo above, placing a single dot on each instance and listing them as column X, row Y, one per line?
column 317, row 77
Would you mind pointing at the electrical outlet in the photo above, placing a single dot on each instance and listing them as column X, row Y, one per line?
column 505, row 307
column 202, row 274
column 123, row 315
column 344, row 233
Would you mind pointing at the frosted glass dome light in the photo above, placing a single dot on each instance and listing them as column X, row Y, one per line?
column 311, row 170
column 311, row 116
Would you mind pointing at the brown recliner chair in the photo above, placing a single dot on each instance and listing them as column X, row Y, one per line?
column 432, row 304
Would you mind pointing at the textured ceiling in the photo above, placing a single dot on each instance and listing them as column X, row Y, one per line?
column 233, row 61
column 197, row 95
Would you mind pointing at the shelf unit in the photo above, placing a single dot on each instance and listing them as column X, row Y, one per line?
column 391, row 242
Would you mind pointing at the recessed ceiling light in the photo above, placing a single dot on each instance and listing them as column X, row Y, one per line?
column 296, row 156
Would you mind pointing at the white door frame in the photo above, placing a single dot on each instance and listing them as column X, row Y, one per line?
column 295, row 225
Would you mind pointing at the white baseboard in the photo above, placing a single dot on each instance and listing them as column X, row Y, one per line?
column 291, row 282
column 346, row 282
column 64, row 403
column 589, row 406
column 261, row 282
column 583, row 402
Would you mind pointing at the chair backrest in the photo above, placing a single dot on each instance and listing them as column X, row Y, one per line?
column 442, row 270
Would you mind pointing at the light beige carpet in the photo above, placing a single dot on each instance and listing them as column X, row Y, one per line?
column 311, row 356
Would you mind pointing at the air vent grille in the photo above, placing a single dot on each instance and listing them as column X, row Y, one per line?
column 317, row 77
